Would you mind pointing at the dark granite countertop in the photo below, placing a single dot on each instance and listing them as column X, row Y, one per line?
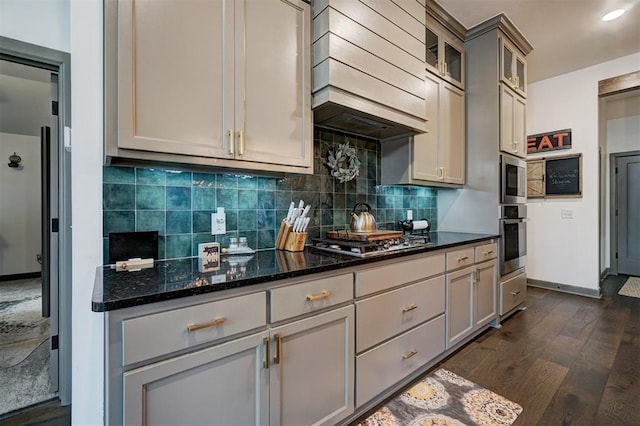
column 172, row 279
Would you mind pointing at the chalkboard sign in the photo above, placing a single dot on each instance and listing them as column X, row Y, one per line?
column 563, row 176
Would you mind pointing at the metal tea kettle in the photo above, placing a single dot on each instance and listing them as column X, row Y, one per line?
column 362, row 221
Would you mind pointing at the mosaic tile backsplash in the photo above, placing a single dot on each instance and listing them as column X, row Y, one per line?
column 178, row 204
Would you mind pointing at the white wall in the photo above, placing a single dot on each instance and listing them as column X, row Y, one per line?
column 20, row 213
column 41, row 22
column 566, row 251
column 86, row 188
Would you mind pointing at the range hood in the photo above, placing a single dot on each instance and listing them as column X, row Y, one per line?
column 368, row 69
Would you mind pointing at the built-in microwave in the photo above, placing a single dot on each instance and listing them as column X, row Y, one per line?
column 513, row 180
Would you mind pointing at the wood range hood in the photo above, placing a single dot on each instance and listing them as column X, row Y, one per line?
column 369, row 67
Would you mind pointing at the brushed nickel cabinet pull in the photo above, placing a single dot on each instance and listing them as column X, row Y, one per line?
column 265, row 363
column 232, row 141
column 217, row 321
column 278, row 357
column 409, row 354
column 410, row 308
column 241, row 138
column 322, row 295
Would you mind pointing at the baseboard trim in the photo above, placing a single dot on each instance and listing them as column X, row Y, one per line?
column 14, row 277
column 604, row 274
column 565, row 288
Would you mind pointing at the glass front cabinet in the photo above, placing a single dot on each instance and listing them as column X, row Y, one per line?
column 513, row 67
column 444, row 53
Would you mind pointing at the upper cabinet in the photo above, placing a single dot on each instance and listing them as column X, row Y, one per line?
column 444, row 53
column 513, row 137
column 513, row 67
column 204, row 83
column 368, row 66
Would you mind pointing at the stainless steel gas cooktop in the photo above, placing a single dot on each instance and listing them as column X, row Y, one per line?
column 359, row 248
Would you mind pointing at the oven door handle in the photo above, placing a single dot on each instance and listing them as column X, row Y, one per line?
column 512, row 221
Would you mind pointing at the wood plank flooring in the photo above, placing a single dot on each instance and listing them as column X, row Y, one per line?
column 568, row 360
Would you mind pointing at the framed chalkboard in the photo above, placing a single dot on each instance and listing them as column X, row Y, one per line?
column 555, row 177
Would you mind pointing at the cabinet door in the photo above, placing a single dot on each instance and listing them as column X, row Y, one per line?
column 273, row 90
column 227, row 383
column 507, row 135
column 426, row 162
column 460, row 319
column 513, row 67
column 486, row 296
column 520, row 126
column 313, row 361
column 452, row 137
column 453, row 53
column 171, row 76
column 433, row 57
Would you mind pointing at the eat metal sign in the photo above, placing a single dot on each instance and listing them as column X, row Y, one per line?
column 549, row 141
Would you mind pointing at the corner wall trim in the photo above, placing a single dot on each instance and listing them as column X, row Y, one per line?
column 565, row 288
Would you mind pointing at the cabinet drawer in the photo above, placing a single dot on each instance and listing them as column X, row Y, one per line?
column 460, row 258
column 389, row 363
column 165, row 332
column 372, row 280
column 383, row 316
column 298, row 299
column 513, row 292
column 486, row 252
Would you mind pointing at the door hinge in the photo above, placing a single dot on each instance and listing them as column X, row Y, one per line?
column 54, row 342
column 55, row 224
column 54, row 107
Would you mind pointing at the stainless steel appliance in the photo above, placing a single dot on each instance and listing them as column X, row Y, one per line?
column 513, row 237
column 373, row 247
column 513, row 180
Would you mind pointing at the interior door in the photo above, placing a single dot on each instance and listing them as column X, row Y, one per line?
column 628, row 213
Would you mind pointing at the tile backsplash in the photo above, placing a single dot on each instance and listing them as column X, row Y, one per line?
column 178, row 203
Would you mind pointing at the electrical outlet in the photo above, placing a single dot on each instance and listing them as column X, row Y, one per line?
column 566, row 214
column 218, row 222
column 409, row 214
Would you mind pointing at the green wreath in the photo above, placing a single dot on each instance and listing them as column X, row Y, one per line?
column 344, row 163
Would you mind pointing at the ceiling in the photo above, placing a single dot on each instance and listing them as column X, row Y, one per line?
column 566, row 35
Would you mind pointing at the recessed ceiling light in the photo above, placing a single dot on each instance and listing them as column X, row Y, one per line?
column 613, row 15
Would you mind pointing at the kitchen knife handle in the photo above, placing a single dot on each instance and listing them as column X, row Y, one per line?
column 217, row 321
column 231, row 137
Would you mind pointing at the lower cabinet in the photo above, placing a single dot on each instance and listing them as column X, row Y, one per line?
column 311, row 371
column 471, row 300
column 225, row 384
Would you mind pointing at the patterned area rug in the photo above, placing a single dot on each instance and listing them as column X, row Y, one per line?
column 444, row 398
column 631, row 287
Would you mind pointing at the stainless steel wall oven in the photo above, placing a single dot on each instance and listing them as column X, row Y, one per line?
column 513, row 237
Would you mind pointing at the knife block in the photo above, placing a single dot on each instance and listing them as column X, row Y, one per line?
column 295, row 241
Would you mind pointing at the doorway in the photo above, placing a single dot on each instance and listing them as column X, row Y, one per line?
column 35, row 261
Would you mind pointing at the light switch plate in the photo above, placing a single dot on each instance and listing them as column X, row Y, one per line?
column 566, row 214
column 218, row 223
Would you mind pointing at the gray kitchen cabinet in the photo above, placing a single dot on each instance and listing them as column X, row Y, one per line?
column 312, row 369
column 472, row 298
column 216, row 89
column 438, row 156
column 445, row 50
column 495, row 51
column 513, row 113
column 225, row 384
column 513, row 67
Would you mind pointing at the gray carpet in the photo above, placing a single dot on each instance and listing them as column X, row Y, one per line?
column 24, row 349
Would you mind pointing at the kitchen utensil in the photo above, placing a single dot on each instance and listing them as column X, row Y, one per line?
column 362, row 221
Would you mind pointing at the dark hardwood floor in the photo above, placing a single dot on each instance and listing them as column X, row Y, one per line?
column 568, row 360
